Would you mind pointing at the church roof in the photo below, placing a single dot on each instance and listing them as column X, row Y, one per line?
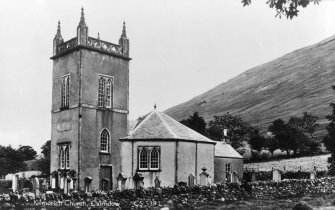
column 223, row 149
column 159, row 126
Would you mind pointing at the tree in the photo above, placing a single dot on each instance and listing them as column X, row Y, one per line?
column 26, row 153
column 288, row 8
column 282, row 133
column 257, row 141
column 329, row 139
column 43, row 164
column 10, row 161
column 196, row 123
column 238, row 130
column 271, row 144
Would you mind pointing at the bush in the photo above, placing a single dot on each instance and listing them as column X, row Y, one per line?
column 5, row 185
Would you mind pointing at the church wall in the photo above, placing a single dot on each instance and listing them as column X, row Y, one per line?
column 95, row 63
column 186, row 160
column 220, row 168
column 205, row 159
column 64, row 124
column 167, row 163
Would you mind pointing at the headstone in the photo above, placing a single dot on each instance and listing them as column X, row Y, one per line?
column 121, row 181
column 138, row 179
column 191, row 180
column 71, row 186
column 312, row 175
column 157, row 182
column 130, row 183
column 15, row 181
column 204, row 177
column 36, row 186
column 53, row 182
column 253, row 176
column 276, row 175
column 62, row 183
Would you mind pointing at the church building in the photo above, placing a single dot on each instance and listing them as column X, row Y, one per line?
column 90, row 145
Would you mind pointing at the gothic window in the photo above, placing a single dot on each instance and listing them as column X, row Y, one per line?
column 105, row 92
column 101, row 92
column 104, row 141
column 148, row 158
column 65, row 91
column 109, row 94
column 64, row 156
column 154, row 159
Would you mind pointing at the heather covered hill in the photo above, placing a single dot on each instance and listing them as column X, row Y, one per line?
column 287, row 86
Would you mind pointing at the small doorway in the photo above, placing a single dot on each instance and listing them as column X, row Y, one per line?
column 106, row 178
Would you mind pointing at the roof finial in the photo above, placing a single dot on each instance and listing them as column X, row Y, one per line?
column 82, row 18
column 98, row 36
column 155, row 105
column 124, row 30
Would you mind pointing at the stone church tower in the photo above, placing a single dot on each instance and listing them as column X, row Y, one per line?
column 90, row 105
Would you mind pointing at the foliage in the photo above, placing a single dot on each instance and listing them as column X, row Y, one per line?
column 5, row 185
column 44, row 163
column 196, row 123
column 329, row 139
column 281, row 132
column 287, row 8
column 10, row 161
column 26, row 153
column 238, row 130
column 257, row 141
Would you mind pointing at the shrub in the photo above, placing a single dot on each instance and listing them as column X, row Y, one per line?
column 5, row 185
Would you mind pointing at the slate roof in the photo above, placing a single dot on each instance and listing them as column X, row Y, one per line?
column 159, row 126
column 223, row 149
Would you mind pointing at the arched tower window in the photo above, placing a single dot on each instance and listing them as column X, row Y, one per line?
column 101, row 92
column 65, row 91
column 143, row 159
column 104, row 141
column 64, row 156
column 154, row 159
column 109, row 93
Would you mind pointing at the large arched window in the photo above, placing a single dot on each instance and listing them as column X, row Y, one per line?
column 104, row 141
column 101, row 92
column 154, row 159
column 143, row 159
column 64, row 156
column 109, row 93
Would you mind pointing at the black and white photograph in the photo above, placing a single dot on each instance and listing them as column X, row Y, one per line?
column 167, row 104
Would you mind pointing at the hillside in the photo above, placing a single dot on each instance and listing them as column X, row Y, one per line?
column 287, row 86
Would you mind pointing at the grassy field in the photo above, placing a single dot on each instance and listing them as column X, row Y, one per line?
column 322, row 202
column 294, row 164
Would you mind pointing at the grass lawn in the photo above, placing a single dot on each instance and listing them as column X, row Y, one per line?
column 316, row 202
column 294, row 164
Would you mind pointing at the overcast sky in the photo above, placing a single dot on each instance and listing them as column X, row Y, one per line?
column 180, row 49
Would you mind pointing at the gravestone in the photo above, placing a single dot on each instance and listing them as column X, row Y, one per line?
column 121, row 181
column 276, row 175
column 204, row 177
column 157, row 182
column 15, row 181
column 253, row 176
column 71, row 185
column 62, row 183
column 228, row 177
column 53, row 182
column 36, row 186
column 191, row 180
column 312, row 175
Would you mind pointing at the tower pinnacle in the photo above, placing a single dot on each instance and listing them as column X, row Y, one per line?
column 58, row 39
column 82, row 18
column 124, row 35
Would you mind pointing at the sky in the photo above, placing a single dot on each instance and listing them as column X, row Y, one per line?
column 179, row 49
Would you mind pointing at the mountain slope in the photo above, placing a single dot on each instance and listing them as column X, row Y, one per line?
column 287, row 86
